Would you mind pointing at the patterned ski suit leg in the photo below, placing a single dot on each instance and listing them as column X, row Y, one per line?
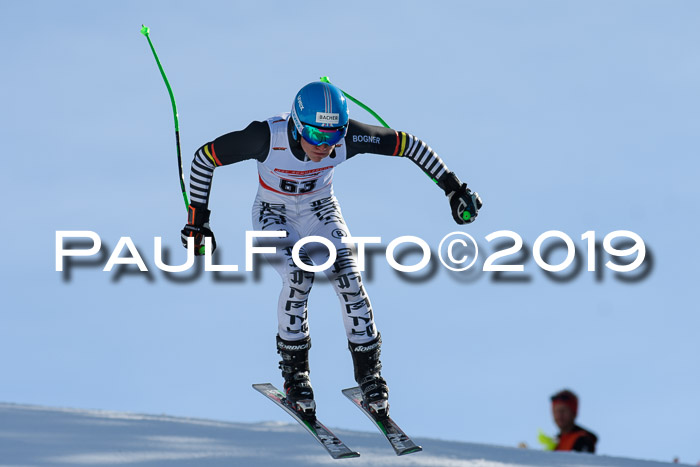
column 356, row 308
column 320, row 217
column 292, row 314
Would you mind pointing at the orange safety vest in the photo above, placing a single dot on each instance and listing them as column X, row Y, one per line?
column 567, row 441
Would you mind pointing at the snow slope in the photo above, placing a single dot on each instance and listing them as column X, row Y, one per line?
column 42, row 436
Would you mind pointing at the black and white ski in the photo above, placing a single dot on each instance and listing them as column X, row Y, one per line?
column 401, row 443
column 335, row 447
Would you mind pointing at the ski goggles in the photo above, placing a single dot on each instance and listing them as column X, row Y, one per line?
column 318, row 136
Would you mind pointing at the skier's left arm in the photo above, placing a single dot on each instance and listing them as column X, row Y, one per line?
column 362, row 138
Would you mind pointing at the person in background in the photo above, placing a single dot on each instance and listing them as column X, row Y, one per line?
column 571, row 437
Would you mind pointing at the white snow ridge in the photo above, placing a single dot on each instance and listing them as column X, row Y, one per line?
column 33, row 436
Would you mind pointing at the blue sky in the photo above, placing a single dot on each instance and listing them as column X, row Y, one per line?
column 570, row 116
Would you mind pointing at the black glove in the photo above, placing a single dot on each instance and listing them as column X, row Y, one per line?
column 465, row 204
column 198, row 227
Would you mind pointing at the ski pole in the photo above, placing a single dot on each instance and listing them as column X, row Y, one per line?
column 146, row 32
column 325, row 79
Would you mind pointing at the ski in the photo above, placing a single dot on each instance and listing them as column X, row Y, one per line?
column 335, row 447
column 401, row 443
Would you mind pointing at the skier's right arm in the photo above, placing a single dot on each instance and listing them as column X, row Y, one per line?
column 253, row 142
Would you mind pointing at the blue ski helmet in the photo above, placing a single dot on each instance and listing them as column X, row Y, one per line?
column 320, row 114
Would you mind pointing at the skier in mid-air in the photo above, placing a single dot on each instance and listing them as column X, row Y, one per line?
column 297, row 153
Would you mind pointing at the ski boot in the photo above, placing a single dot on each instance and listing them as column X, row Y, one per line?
column 375, row 392
column 295, row 371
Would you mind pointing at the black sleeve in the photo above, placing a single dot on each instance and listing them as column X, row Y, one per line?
column 585, row 443
column 363, row 138
column 253, row 142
